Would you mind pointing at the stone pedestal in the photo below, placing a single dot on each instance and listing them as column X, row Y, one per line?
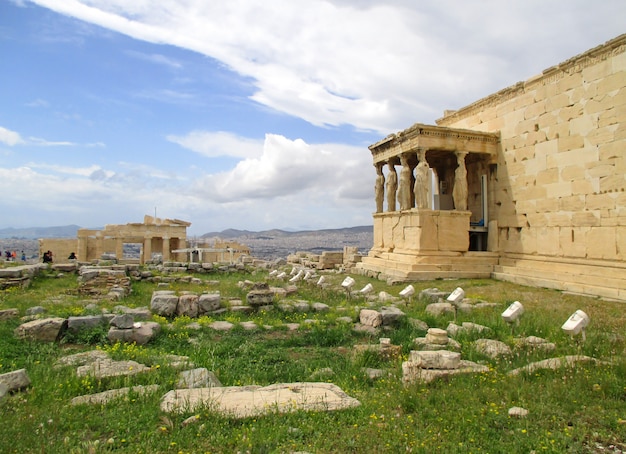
column 422, row 230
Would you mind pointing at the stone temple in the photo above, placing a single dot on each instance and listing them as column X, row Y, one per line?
column 526, row 185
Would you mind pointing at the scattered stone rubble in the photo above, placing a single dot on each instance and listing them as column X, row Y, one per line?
column 436, row 355
column 434, row 360
column 19, row 276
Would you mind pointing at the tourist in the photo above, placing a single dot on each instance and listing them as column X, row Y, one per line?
column 72, row 256
column 47, row 257
column 23, row 256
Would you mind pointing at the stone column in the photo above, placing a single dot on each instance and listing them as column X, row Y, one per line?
column 119, row 249
column 421, row 188
column 392, row 186
column 99, row 246
column 166, row 249
column 404, row 188
column 460, row 191
column 379, row 188
column 82, row 248
column 147, row 249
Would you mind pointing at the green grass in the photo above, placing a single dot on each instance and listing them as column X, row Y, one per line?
column 574, row 410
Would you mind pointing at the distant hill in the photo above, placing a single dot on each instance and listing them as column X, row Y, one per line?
column 63, row 231
column 277, row 243
column 278, row 233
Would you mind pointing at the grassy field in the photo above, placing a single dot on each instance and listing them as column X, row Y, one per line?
column 575, row 410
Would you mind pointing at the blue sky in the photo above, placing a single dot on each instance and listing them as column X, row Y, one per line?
column 243, row 114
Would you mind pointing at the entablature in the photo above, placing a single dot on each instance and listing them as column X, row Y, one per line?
column 435, row 138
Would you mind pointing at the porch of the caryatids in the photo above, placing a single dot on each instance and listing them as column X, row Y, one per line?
column 404, row 188
column 460, row 191
column 391, row 186
column 379, row 187
column 421, row 188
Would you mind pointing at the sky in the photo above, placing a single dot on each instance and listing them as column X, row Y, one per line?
column 246, row 114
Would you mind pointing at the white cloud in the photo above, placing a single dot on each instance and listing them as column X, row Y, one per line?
column 290, row 183
column 220, row 143
column 67, row 170
column 9, row 137
column 148, row 171
column 155, row 58
column 13, row 138
column 288, row 167
column 168, row 96
column 375, row 66
column 38, row 103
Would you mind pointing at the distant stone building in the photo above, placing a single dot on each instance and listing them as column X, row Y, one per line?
column 526, row 185
column 154, row 236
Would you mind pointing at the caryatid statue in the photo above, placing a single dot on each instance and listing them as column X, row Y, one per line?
column 392, row 186
column 404, row 189
column 460, row 192
column 379, row 187
column 421, row 189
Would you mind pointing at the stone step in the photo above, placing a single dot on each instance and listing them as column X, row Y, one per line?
column 615, row 270
column 574, row 282
column 436, row 259
column 588, row 288
column 429, row 272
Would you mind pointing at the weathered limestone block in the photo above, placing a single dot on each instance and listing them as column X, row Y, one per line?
column 320, row 307
column 260, row 295
column 467, row 327
column 385, row 297
column 35, row 310
column 279, row 292
column 439, row 359
column 554, row 364
column 46, row 329
column 109, row 368
column 82, row 358
column 391, row 315
column 492, row 348
column 164, row 303
column 438, row 309
column 328, row 260
column 221, row 326
column 412, row 373
column 106, row 396
column 291, row 289
column 535, row 342
column 249, row 325
column 437, row 336
column 301, row 306
column 369, row 317
column 188, row 305
column 418, row 324
column 422, row 344
column 141, row 335
column 249, row 401
column 7, row 314
column 11, row 272
column 65, row 267
column 432, row 295
column 518, row 412
column 197, row 378
column 85, row 322
column 15, row 380
column 138, row 313
column 123, row 321
column 209, row 302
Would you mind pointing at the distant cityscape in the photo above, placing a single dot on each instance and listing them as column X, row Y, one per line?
column 267, row 245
